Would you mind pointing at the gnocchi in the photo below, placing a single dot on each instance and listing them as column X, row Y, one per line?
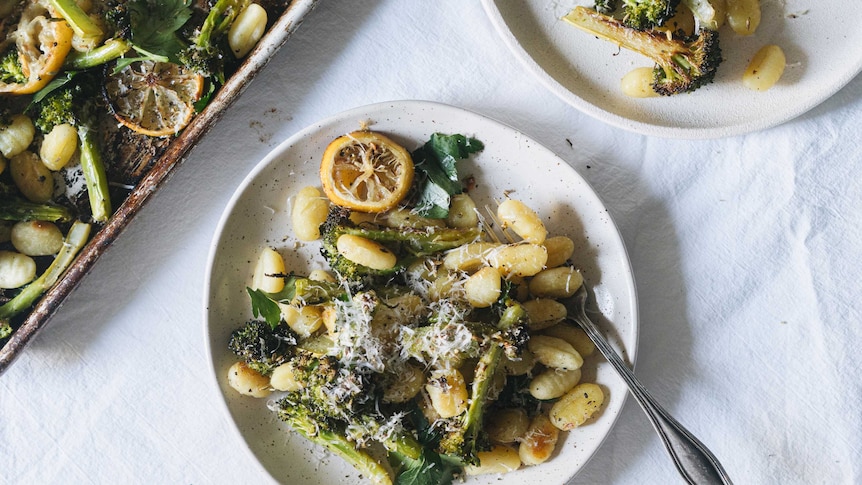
column 246, row 30
column 248, row 381
column 553, row 383
column 309, row 211
column 577, row 406
column 765, row 69
column 366, row 252
column 555, row 352
column 499, row 459
column 16, row 136
column 32, row 177
column 560, row 282
column 16, row 269
column 539, row 441
column 448, row 392
column 269, row 272
column 523, row 221
column 483, row 288
column 36, row 238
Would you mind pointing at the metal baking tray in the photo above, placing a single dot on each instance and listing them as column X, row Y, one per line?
column 152, row 173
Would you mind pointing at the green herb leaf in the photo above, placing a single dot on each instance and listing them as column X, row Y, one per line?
column 58, row 82
column 429, row 469
column 262, row 306
column 435, row 163
column 154, row 25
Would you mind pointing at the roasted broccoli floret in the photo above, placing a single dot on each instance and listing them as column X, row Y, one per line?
column 74, row 103
column 337, row 406
column 262, row 347
column 682, row 64
column 463, row 436
column 206, row 55
column 11, row 71
column 648, row 14
column 407, row 243
column 327, row 434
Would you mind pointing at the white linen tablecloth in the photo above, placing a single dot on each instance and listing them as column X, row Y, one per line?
column 745, row 251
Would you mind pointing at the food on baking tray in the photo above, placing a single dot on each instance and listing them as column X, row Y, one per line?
column 91, row 93
column 681, row 37
column 427, row 337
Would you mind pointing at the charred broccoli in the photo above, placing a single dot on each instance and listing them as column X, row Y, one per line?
column 11, row 71
column 206, row 55
column 337, row 406
column 682, row 64
column 463, row 437
column 647, row 14
column 262, row 347
column 74, row 103
column 406, row 243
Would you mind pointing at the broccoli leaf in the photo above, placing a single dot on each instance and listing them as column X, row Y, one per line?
column 435, row 163
column 262, row 306
column 154, row 25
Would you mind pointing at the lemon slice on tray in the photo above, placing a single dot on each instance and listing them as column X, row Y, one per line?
column 36, row 48
column 366, row 171
column 154, row 98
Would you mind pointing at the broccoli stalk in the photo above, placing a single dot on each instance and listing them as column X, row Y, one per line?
column 80, row 22
column 298, row 418
column 75, row 240
column 647, row 14
column 411, row 243
column 464, row 439
column 94, row 173
column 683, row 65
column 16, row 209
column 105, row 53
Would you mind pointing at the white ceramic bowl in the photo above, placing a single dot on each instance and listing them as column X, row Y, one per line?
column 258, row 215
column 820, row 39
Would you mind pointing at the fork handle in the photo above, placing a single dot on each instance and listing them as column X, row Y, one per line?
column 695, row 462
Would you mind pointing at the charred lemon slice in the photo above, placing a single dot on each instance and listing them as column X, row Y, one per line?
column 34, row 50
column 154, row 98
column 366, row 171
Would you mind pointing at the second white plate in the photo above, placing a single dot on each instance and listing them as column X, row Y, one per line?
column 820, row 39
column 258, row 216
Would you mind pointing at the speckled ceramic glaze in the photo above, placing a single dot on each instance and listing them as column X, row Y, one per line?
column 511, row 163
column 820, row 40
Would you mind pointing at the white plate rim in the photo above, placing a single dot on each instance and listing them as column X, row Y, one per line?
column 361, row 112
column 777, row 117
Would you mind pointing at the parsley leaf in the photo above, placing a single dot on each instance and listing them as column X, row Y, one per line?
column 154, row 26
column 262, row 306
column 435, row 164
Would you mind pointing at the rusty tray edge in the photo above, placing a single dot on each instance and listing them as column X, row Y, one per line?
column 173, row 156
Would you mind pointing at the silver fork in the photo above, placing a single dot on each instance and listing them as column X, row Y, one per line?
column 695, row 462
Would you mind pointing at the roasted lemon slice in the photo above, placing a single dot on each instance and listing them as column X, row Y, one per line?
column 366, row 171
column 35, row 49
column 154, row 98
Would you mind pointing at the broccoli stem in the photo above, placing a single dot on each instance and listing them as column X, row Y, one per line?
column 75, row 240
column 20, row 210
column 80, row 22
column 94, row 175
column 219, row 19
column 339, row 445
column 107, row 52
column 651, row 44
